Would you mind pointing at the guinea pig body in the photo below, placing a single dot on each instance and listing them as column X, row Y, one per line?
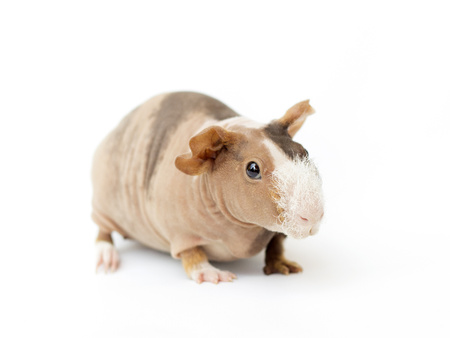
column 185, row 174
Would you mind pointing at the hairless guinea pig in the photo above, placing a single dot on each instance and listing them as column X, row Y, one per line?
column 185, row 174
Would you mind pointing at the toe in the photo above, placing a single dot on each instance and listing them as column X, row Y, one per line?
column 226, row 276
column 293, row 267
column 115, row 261
column 198, row 277
column 106, row 260
column 211, row 276
column 281, row 268
column 99, row 262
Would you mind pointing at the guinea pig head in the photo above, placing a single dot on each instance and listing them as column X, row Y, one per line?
column 257, row 175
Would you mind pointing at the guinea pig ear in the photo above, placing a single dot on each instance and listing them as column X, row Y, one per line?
column 296, row 116
column 205, row 146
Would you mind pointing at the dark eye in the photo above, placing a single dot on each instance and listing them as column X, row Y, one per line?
column 253, row 171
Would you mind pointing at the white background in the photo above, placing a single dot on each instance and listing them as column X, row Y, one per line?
column 378, row 76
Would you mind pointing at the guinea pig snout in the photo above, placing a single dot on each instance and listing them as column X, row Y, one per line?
column 315, row 227
column 299, row 198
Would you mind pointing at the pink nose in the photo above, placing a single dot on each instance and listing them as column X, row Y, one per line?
column 303, row 218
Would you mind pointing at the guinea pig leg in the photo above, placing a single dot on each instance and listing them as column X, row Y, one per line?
column 197, row 267
column 106, row 252
column 275, row 261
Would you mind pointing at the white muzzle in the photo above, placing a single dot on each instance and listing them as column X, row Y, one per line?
column 299, row 198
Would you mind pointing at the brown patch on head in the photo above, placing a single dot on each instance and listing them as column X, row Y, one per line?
column 282, row 131
column 278, row 133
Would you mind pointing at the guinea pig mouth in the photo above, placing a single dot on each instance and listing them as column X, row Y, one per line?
column 297, row 193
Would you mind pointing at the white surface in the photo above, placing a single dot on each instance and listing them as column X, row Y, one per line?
column 378, row 77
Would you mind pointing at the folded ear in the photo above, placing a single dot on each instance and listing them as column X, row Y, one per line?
column 296, row 116
column 205, row 146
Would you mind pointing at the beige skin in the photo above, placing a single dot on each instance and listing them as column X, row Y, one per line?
column 198, row 202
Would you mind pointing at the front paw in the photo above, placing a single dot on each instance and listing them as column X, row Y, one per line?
column 208, row 273
column 281, row 265
column 107, row 256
